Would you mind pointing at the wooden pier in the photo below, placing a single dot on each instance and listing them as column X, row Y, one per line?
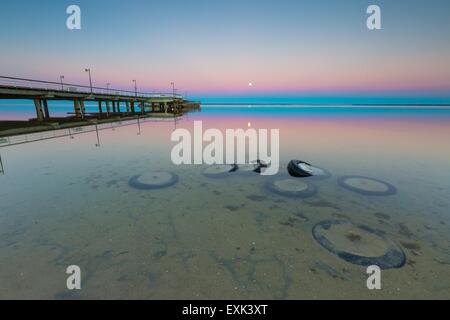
column 112, row 104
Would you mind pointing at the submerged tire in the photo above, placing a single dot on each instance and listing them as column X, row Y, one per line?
column 301, row 169
column 358, row 244
column 219, row 170
column 367, row 186
column 291, row 188
column 153, row 180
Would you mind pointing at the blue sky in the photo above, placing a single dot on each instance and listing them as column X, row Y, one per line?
column 287, row 49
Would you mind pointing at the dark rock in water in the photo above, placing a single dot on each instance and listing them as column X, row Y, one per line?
column 252, row 167
column 219, row 171
column 301, row 169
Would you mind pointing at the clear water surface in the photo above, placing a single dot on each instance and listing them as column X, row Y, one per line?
column 67, row 202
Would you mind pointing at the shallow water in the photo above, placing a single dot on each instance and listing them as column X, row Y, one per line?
column 67, row 202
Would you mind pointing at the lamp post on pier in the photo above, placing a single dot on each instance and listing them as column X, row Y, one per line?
column 173, row 96
column 88, row 70
column 61, row 78
column 135, row 89
column 173, row 89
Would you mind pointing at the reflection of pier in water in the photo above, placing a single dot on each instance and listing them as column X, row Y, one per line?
column 74, row 131
column 71, row 132
column 109, row 101
column 2, row 171
column 139, row 108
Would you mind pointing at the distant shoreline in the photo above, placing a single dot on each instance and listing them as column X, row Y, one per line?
column 328, row 105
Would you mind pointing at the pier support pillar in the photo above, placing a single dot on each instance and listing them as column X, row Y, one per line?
column 142, row 107
column 132, row 107
column 108, row 108
column 153, row 107
column 100, row 107
column 46, row 112
column 39, row 113
column 83, row 108
column 118, row 106
column 77, row 108
column 128, row 106
column 114, row 106
column 165, row 107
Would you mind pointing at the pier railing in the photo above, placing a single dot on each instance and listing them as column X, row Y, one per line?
column 33, row 84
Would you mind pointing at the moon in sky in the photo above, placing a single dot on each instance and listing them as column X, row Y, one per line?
column 250, row 84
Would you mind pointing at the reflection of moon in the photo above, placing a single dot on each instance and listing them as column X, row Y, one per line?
column 249, row 124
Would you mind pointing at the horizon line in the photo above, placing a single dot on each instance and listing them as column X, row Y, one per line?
column 329, row 104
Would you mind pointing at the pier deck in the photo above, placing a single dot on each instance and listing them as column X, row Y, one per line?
column 112, row 103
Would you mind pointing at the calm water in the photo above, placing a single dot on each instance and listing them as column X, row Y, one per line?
column 67, row 202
